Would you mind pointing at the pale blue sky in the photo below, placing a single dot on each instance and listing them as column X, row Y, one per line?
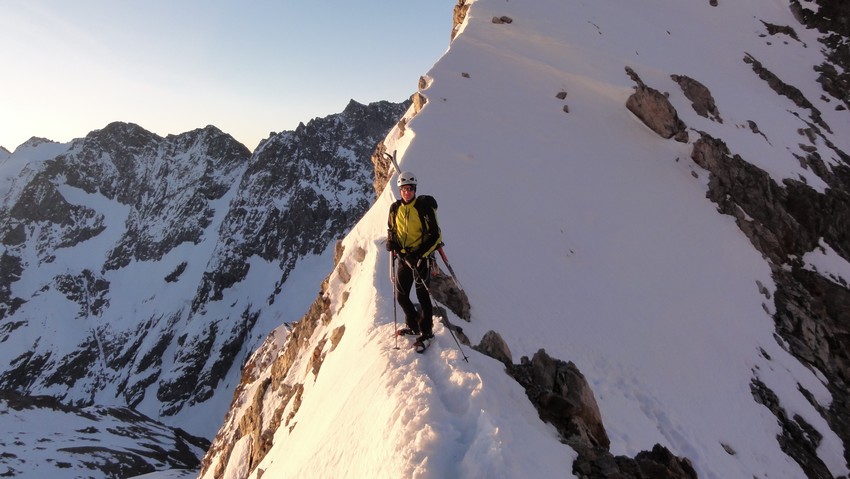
column 247, row 67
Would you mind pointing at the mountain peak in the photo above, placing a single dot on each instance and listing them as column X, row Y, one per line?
column 34, row 142
column 353, row 105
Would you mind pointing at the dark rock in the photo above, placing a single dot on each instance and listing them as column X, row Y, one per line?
column 798, row 439
column 175, row 275
column 62, row 224
column 25, row 370
column 789, row 91
column 660, row 463
column 12, row 267
column 784, row 223
column 494, row 346
column 832, row 19
column 446, row 291
column 655, row 111
column 700, row 96
column 562, row 397
column 780, row 29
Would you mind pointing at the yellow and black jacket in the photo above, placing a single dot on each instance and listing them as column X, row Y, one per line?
column 412, row 227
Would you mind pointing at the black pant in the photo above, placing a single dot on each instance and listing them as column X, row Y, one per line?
column 404, row 281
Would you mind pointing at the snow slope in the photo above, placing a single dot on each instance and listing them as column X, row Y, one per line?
column 580, row 232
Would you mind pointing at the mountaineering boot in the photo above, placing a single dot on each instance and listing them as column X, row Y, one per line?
column 411, row 324
column 422, row 342
column 406, row 332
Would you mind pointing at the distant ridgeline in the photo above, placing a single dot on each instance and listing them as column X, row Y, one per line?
column 137, row 270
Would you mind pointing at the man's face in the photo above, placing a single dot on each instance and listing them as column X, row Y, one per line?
column 407, row 192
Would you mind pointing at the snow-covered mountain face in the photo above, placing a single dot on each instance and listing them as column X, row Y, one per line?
column 138, row 271
column 657, row 192
column 78, row 229
column 43, row 437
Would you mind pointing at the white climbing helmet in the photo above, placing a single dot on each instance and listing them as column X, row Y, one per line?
column 406, row 178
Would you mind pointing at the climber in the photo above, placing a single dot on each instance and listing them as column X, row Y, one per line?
column 412, row 236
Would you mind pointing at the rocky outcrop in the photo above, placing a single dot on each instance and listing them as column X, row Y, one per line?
column 61, row 224
column 700, row 97
column 658, row 463
column 12, row 267
column 789, row 91
column 563, row 398
column 832, row 19
column 494, row 346
column 784, row 222
column 269, row 373
column 446, row 290
column 655, row 110
column 459, row 15
column 87, row 289
column 798, row 439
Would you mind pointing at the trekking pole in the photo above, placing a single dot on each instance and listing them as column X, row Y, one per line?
column 420, row 280
column 395, row 315
column 392, row 158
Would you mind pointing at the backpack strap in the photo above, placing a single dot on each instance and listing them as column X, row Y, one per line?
column 392, row 241
column 393, row 211
column 426, row 206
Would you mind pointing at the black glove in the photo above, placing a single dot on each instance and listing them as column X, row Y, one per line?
column 392, row 244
